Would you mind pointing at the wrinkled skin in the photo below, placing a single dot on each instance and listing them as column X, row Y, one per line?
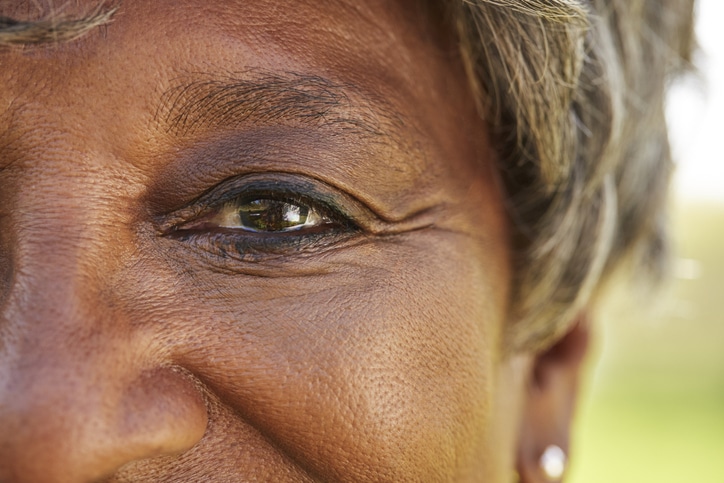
column 138, row 343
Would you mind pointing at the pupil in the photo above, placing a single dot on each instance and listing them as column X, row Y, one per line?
column 272, row 215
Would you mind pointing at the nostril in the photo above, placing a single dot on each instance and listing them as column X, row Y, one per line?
column 164, row 412
column 89, row 434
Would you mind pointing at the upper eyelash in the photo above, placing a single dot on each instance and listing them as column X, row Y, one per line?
column 296, row 191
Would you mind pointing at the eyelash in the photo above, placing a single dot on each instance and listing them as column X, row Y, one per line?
column 188, row 225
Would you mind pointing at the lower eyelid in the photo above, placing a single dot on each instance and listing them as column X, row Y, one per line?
column 249, row 247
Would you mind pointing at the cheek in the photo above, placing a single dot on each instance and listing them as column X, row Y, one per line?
column 380, row 366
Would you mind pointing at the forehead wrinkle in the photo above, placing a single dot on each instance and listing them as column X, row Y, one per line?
column 203, row 100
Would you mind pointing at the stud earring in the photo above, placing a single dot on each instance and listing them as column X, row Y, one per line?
column 553, row 462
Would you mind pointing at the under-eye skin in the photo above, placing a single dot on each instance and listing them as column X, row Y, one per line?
column 256, row 214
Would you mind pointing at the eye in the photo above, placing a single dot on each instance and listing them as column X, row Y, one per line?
column 250, row 216
column 266, row 215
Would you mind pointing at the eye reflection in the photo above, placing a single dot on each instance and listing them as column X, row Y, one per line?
column 267, row 215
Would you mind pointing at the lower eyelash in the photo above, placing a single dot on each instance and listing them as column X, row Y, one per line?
column 254, row 247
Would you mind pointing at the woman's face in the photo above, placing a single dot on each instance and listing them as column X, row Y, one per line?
column 251, row 241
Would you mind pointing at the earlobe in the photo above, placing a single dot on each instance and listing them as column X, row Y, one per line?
column 552, row 390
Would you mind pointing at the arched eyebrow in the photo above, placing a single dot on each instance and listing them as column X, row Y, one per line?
column 252, row 98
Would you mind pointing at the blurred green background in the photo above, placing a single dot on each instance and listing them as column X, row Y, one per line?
column 653, row 407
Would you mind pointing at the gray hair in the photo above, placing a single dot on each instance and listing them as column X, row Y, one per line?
column 573, row 91
column 52, row 29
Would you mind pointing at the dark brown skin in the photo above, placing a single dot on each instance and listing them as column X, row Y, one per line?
column 141, row 342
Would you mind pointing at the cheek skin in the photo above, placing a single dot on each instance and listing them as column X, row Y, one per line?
column 383, row 366
column 380, row 371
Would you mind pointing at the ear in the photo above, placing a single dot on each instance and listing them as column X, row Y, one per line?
column 550, row 404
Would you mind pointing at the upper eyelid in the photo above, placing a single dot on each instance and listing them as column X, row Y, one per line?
column 332, row 198
column 292, row 188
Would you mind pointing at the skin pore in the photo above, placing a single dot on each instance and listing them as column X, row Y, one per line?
column 141, row 340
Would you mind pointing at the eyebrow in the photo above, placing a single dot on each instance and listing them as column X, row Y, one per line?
column 201, row 101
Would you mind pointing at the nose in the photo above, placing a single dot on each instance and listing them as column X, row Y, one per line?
column 84, row 390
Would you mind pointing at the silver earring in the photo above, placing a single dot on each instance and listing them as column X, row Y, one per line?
column 553, row 462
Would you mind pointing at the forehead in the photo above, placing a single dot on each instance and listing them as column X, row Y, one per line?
column 387, row 56
column 379, row 49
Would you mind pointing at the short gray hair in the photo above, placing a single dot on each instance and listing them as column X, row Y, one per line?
column 52, row 28
column 573, row 91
